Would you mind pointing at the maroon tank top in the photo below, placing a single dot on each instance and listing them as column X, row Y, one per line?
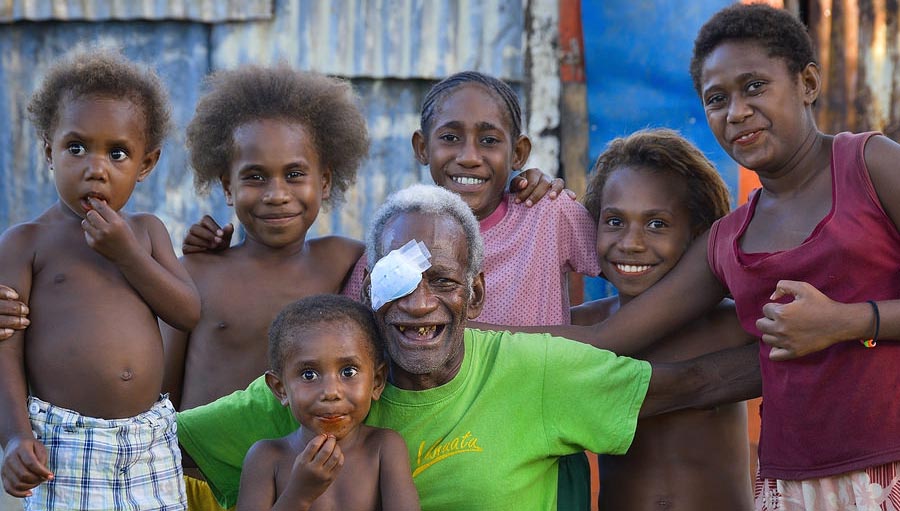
column 839, row 409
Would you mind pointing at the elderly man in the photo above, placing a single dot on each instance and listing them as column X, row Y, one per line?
column 485, row 415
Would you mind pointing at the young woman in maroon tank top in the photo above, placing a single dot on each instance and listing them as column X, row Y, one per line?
column 813, row 264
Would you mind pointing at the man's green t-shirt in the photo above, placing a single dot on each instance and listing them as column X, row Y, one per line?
column 488, row 439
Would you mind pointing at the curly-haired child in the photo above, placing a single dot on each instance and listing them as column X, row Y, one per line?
column 84, row 424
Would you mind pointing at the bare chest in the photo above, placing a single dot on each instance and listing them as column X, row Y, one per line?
column 94, row 343
column 239, row 300
column 69, row 279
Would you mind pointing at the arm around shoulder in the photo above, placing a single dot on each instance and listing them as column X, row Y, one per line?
column 398, row 493
column 726, row 376
column 684, row 294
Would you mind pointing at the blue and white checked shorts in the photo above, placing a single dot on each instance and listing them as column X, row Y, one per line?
column 118, row 464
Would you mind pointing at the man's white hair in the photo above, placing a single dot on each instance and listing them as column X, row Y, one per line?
column 433, row 200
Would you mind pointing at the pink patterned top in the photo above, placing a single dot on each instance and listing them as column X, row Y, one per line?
column 527, row 253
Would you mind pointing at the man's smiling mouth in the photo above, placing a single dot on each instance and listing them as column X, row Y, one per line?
column 422, row 333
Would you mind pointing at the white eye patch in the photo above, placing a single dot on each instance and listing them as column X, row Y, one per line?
column 398, row 273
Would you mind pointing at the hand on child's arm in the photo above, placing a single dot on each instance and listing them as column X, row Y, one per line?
column 108, row 233
column 207, row 236
column 532, row 185
column 13, row 313
column 314, row 470
column 811, row 322
column 24, row 466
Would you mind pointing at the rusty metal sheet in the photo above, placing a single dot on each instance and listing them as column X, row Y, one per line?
column 858, row 47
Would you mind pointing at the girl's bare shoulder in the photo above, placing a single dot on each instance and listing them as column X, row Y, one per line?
column 339, row 252
column 342, row 246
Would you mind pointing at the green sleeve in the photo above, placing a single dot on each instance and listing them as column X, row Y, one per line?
column 218, row 435
column 591, row 398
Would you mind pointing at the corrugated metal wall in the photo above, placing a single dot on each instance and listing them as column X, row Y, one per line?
column 858, row 43
column 392, row 50
column 209, row 11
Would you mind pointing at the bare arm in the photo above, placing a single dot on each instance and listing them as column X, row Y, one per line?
column 174, row 349
column 813, row 322
column 684, row 294
column 725, row 376
column 25, row 459
column 156, row 275
column 881, row 155
column 398, row 493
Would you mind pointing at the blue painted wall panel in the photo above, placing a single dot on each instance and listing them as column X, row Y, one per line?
column 637, row 56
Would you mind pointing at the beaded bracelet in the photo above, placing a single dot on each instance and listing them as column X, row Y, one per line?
column 870, row 343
